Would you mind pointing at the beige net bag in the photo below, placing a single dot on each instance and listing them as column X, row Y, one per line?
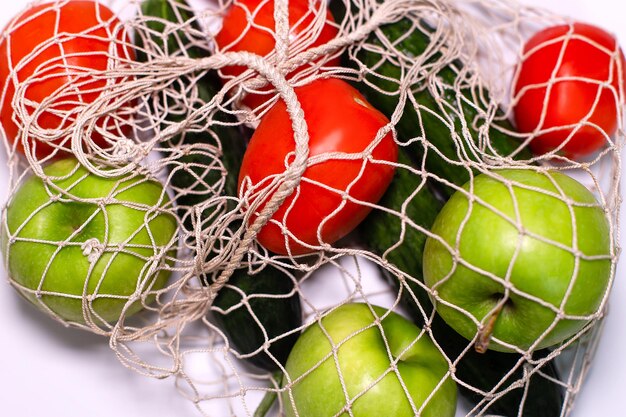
column 319, row 210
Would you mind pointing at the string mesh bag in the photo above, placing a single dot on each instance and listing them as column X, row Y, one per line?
column 156, row 131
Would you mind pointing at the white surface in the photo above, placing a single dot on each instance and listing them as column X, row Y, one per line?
column 52, row 371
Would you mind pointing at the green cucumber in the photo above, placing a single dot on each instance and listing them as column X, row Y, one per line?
column 191, row 178
column 439, row 120
column 543, row 397
column 398, row 243
column 381, row 230
column 278, row 314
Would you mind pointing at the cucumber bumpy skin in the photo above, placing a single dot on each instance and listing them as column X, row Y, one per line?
column 278, row 314
column 383, row 230
column 451, row 112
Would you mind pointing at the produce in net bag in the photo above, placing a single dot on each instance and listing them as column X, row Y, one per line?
column 305, row 208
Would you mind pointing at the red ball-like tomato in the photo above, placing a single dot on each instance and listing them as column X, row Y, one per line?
column 56, row 48
column 249, row 25
column 334, row 194
column 569, row 88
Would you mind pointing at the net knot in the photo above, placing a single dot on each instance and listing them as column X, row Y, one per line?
column 92, row 249
column 125, row 148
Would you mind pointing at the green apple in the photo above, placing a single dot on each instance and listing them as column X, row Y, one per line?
column 371, row 358
column 534, row 259
column 78, row 245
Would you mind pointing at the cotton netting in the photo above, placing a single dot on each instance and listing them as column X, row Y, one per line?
column 141, row 112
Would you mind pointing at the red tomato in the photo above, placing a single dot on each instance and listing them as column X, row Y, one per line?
column 58, row 43
column 339, row 119
column 249, row 26
column 584, row 85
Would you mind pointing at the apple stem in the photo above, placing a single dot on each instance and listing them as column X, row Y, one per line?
column 484, row 335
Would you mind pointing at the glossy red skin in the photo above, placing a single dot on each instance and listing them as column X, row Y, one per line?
column 570, row 101
column 58, row 62
column 339, row 119
column 259, row 38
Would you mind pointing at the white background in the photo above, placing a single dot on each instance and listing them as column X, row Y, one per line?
column 48, row 370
